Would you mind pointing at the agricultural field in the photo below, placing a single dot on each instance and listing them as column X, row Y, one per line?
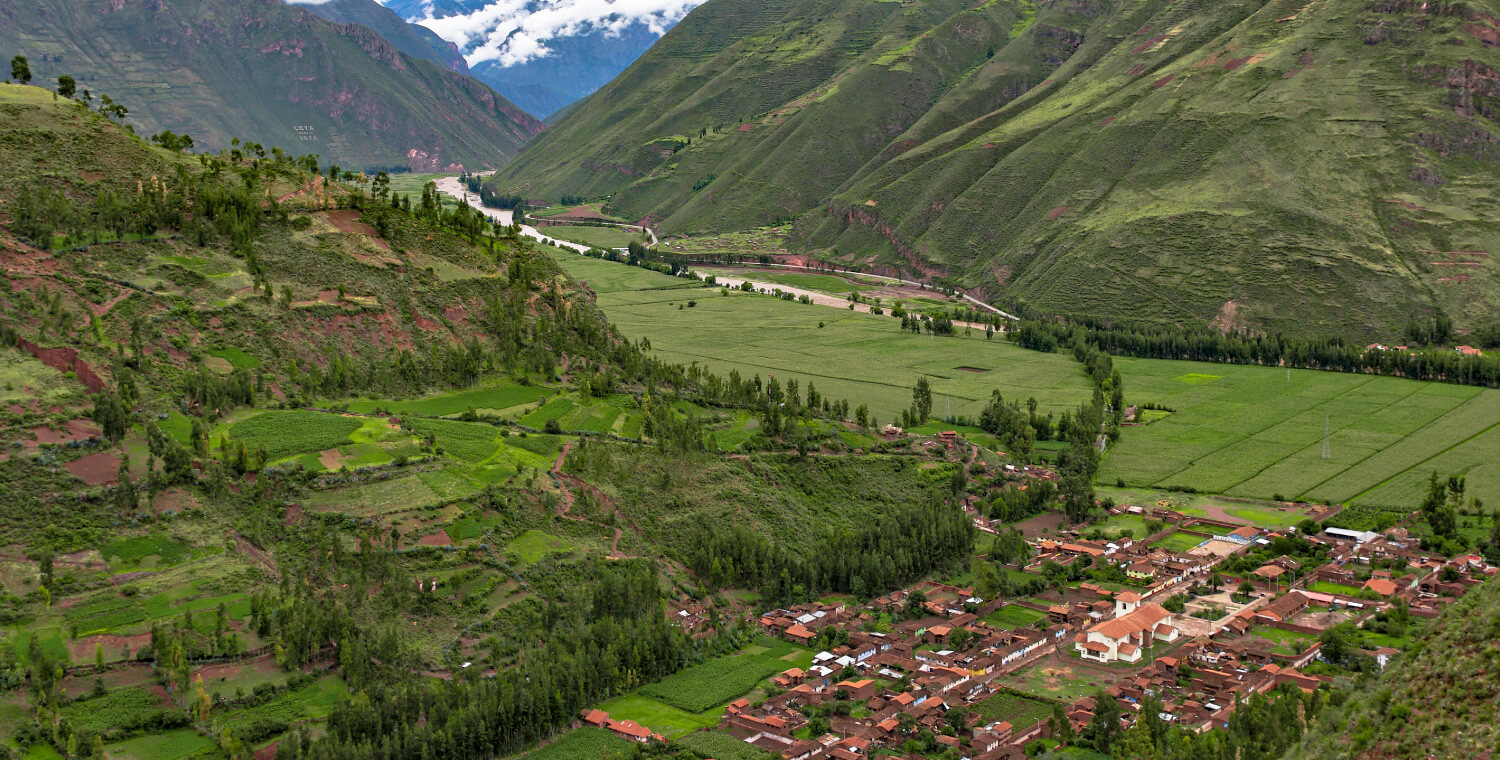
column 533, row 545
column 661, row 717
column 597, row 237
column 1019, row 711
column 1120, row 525
column 293, row 431
column 721, row 746
column 585, row 742
column 495, row 400
column 1258, row 432
column 172, row 745
column 723, row 679
column 1285, row 642
column 1054, row 679
column 854, row 355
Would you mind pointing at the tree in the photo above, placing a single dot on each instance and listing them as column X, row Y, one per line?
column 862, row 416
column 66, row 86
column 1104, row 728
column 20, row 70
column 921, row 399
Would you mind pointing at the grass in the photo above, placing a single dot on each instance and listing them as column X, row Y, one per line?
column 129, row 552
column 533, row 545
column 720, row 746
column 236, row 358
column 1013, row 616
column 378, row 498
column 1329, row 587
column 1258, row 432
column 856, row 356
column 660, row 717
column 598, row 237
column 171, row 745
column 1049, row 679
column 1118, row 525
column 1286, row 642
column 1179, row 542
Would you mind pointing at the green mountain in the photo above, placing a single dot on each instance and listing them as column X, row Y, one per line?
column 412, row 39
column 1308, row 167
column 1437, row 701
column 270, row 73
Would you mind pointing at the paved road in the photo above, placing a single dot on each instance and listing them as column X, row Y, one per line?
column 453, row 187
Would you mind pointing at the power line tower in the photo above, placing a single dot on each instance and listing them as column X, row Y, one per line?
column 1327, row 448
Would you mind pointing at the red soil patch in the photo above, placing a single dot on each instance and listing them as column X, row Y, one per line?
column 64, row 360
column 82, row 650
column 77, row 430
column 424, row 323
column 292, row 515
column 1235, row 63
column 331, row 459
column 96, row 469
column 1488, row 36
column 173, row 500
column 1057, row 212
column 1147, row 45
column 1306, row 58
column 1163, row 81
column 1106, row 121
column 328, row 296
column 456, row 313
column 746, row 127
column 267, row 752
column 435, row 539
column 224, row 671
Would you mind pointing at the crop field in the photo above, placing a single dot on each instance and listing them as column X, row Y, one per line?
column 720, row 746
column 615, row 414
column 1021, row 712
column 497, row 398
column 1013, row 616
column 856, row 356
column 1119, row 525
column 171, row 745
column 288, row 432
column 723, row 679
column 377, row 498
column 823, row 283
column 1285, row 642
column 1258, row 432
column 598, row 237
column 585, row 742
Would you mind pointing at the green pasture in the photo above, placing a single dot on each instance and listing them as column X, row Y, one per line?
column 1012, row 616
column 598, row 237
column 585, row 743
column 1179, row 542
column 856, row 356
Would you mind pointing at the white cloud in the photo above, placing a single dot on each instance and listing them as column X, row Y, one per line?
column 515, row 31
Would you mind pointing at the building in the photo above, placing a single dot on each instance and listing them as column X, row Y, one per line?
column 1134, row 628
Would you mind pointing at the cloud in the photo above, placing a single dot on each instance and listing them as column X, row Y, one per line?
column 512, row 32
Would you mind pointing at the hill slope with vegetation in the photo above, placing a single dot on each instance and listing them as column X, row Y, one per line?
column 270, row 73
column 1437, row 701
column 1319, row 168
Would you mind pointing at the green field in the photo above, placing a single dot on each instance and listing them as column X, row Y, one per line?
column 585, row 743
column 534, row 544
column 823, row 283
column 1013, row 616
column 1329, row 587
column 598, row 237
column 1285, row 642
column 1258, row 432
column 856, row 356
column 495, row 399
column 1179, row 542
column 168, row 746
column 659, row 716
column 1021, row 712
column 287, row 432
column 722, row 679
column 721, row 746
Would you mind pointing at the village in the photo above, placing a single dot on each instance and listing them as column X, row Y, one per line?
column 1223, row 612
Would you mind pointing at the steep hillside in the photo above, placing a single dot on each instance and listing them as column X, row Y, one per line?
column 1438, row 701
column 1309, row 167
column 412, row 39
column 270, row 73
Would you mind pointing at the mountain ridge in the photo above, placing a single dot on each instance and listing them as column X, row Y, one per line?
column 269, row 73
column 1299, row 153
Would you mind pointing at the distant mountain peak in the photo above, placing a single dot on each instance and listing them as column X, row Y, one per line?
column 545, row 54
